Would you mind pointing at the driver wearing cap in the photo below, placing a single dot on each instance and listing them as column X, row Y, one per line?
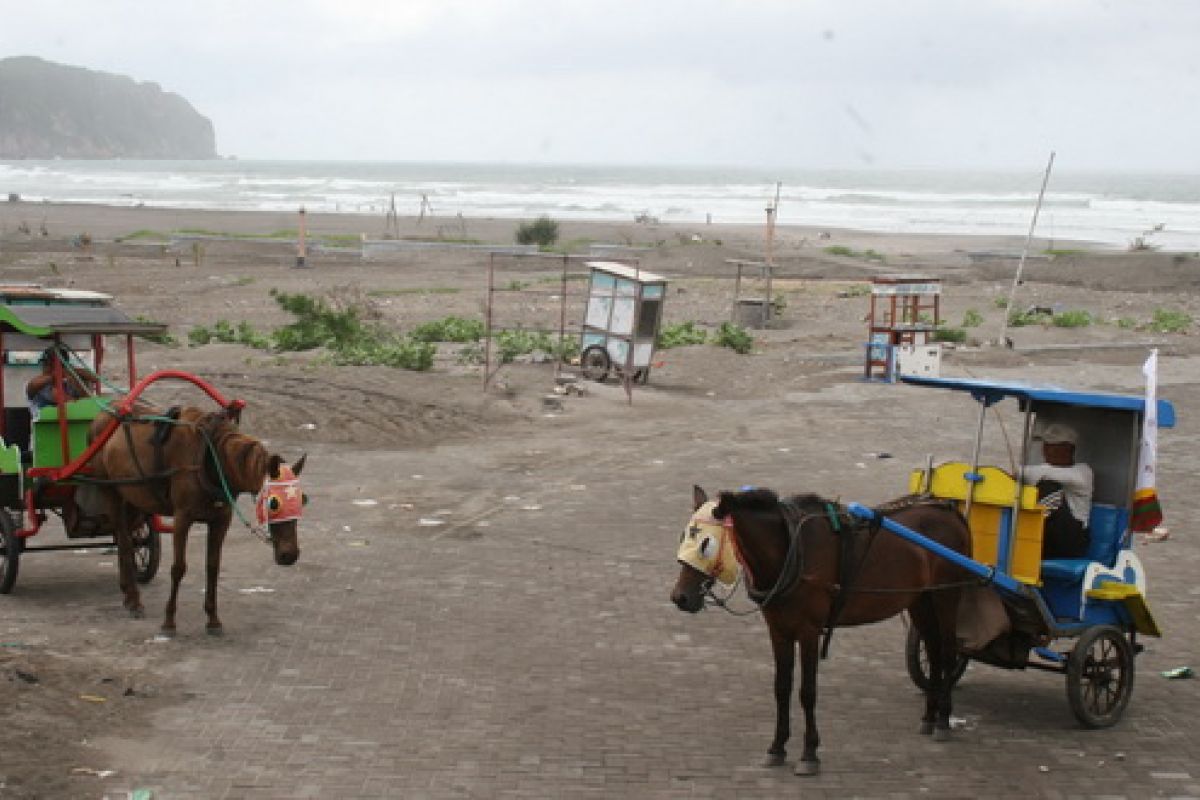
column 1064, row 492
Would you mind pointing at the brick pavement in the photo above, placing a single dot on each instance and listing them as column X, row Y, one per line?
column 536, row 655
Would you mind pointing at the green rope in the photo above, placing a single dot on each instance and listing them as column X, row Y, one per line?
column 831, row 512
column 224, row 484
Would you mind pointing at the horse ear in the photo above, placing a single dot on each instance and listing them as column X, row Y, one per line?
column 722, row 508
column 299, row 465
column 273, row 466
column 699, row 497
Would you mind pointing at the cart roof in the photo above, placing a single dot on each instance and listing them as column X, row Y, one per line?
column 37, row 311
column 993, row 391
column 626, row 271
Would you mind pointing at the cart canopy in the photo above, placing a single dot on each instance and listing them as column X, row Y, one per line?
column 41, row 312
column 990, row 392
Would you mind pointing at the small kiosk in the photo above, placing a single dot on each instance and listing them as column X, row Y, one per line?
column 905, row 312
column 620, row 327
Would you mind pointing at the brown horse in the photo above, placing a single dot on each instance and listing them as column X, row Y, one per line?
column 811, row 568
column 191, row 468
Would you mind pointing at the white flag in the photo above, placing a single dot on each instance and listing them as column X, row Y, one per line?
column 1146, row 512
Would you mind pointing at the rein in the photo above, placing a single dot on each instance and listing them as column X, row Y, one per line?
column 793, row 562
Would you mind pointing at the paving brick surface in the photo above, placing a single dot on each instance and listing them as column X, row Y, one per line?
column 527, row 648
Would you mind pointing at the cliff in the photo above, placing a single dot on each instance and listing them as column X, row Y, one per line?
column 50, row 110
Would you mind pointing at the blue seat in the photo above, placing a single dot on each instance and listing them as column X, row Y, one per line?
column 1106, row 525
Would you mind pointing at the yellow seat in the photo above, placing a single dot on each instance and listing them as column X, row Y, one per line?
column 991, row 507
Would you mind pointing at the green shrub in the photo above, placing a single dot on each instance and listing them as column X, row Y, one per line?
column 953, row 335
column 199, row 336
column 842, row 250
column 543, row 232
column 165, row 338
column 735, row 337
column 1034, row 316
column 972, row 318
column 1000, row 302
column 567, row 349
column 1072, row 319
column 470, row 355
column 680, row 335
column 1165, row 321
column 518, row 342
column 449, row 329
column 316, row 325
column 1126, row 323
column 390, row 351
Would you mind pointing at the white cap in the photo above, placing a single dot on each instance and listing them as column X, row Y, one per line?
column 1058, row 433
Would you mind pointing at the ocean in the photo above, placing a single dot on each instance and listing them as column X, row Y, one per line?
column 1107, row 208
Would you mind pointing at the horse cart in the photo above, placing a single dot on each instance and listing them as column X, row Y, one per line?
column 45, row 452
column 1080, row 617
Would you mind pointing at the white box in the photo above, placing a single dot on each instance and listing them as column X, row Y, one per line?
column 919, row 359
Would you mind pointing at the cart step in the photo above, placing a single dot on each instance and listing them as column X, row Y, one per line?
column 1128, row 594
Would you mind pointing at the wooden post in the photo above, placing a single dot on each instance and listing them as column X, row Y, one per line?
column 301, row 244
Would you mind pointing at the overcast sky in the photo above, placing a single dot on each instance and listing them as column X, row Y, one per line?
column 1109, row 84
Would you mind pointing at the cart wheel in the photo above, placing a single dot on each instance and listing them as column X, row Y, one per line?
column 147, row 552
column 917, row 661
column 1100, row 676
column 10, row 551
column 595, row 363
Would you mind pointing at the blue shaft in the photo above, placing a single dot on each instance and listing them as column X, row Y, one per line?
column 990, row 574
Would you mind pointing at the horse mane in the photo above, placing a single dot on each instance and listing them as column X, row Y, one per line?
column 767, row 500
column 244, row 459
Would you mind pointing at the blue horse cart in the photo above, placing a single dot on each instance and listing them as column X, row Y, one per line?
column 1077, row 616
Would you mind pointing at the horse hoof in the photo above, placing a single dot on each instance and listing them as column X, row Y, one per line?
column 941, row 734
column 215, row 630
column 774, row 760
column 926, row 728
column 166, row 633
column 807, row 767
column 137, row 612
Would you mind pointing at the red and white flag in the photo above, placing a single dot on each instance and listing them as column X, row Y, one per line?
column 1146, row 512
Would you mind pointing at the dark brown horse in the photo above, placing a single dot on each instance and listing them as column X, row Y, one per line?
column 191, row 468
column 811, row 568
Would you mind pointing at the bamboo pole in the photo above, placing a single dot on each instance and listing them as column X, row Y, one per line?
column 1003, row 340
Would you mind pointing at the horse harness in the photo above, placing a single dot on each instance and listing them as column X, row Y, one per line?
column 157, row 479
column 846, row 528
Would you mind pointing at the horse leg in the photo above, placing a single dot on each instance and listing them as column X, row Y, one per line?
column 216, row 539
column 929, row 624
column 121, row 513
column 784, row 648
column 179, row 536
column 945, row 607
column 809, row 764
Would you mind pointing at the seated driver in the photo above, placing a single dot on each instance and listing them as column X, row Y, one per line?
column 1064, row 492
column 40, row 389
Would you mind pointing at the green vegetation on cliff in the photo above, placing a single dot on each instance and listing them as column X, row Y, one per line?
column 50, row 110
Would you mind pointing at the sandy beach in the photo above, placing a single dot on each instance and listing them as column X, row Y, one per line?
column 794, row 414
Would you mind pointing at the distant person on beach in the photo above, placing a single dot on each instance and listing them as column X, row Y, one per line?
column 40, row 389
column 1064, row 492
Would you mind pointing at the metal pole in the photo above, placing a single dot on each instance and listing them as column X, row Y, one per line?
column 983, row 409
column 487, row 333
column 1024, row 252
column 562, row 318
